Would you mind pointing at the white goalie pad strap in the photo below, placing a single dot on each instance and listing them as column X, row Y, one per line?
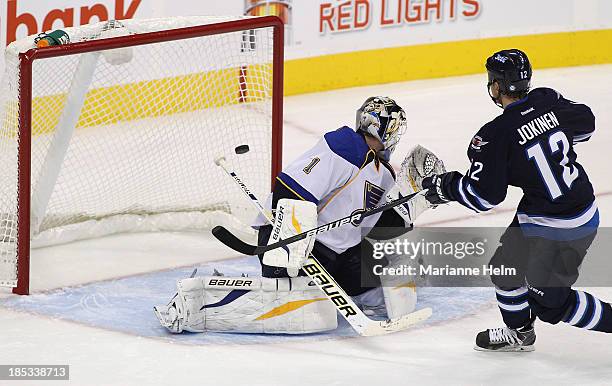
column 254, row 305
column 292, row 217
column 417, row 165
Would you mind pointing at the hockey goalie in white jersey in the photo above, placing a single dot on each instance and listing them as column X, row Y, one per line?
column 347, row 170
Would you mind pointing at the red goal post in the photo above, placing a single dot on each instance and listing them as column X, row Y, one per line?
column 257, row 101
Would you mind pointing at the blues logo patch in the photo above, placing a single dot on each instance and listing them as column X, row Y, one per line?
column 372, row 195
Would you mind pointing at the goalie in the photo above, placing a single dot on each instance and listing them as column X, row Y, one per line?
column 346, row 171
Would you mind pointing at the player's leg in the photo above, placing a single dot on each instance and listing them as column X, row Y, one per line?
column 354, row 275
column 551, row 298
column 346, row 269
column 511, row 291
column 355, row 272
column 512, row 297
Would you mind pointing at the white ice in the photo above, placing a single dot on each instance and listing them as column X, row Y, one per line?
column 443, row 115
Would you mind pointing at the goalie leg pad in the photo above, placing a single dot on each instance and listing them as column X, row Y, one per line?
column 182, row 313
column 400, row 292
column 401, row 299
column 391, row 301
column 253, row 305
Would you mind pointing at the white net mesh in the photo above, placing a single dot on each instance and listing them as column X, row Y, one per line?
column 125, row 139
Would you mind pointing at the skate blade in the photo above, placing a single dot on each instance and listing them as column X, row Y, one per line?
column 507, row 349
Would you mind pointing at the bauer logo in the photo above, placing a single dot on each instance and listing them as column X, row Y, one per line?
column 354, row 219
column 29, row 17
column 330, row 289
column 230, row 282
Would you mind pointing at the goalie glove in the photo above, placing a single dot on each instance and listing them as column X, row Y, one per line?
column 292, row 217
column 420, row 163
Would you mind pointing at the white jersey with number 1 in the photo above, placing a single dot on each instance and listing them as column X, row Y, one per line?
column 340, row 174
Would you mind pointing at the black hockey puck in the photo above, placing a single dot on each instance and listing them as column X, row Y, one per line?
column 242, row 149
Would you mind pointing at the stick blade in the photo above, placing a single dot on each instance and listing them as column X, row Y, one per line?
column 398, row 324
column 228, row 238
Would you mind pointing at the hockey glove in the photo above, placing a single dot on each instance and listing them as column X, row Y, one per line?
column 436, row 192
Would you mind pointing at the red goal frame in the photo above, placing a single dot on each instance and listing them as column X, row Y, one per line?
column 26, row 60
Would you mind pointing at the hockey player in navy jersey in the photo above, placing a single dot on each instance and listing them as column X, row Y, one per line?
column 531, row 146
column 348, row 170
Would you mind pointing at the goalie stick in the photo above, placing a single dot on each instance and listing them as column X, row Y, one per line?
column 363, row 325
column 229, row 239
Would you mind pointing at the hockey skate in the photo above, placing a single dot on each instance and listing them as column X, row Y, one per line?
column 506, row 339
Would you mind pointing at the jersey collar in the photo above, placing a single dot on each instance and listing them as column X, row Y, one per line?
column 520, row 101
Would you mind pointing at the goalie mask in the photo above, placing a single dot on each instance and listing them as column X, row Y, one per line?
column 383, row 119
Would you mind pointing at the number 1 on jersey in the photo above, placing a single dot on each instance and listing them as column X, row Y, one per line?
column 557, row 141
column 311, row 165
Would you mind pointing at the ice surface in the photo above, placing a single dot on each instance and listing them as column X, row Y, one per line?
column 125, row 304
column 443, row 115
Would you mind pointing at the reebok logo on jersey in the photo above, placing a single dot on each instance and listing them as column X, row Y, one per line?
column 529, row 110
column 477, row 143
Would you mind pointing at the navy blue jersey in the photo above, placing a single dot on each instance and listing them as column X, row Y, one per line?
column 531, row 146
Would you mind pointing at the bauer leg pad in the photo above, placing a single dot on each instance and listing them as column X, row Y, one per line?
column 248, row 305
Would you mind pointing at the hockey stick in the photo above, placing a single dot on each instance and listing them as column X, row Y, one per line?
column 229, row 239
column 326, row 283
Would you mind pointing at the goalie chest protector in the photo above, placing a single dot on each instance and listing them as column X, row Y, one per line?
column 340, row 174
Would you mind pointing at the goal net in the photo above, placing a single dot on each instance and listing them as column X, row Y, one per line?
column 118, row 130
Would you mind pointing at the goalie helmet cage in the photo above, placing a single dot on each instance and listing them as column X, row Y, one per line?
column 128, row 131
